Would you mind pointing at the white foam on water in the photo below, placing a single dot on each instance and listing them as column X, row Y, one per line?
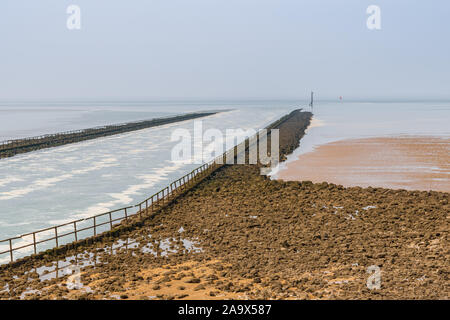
column 8, row 180
column 45, row 183
column 61, row 184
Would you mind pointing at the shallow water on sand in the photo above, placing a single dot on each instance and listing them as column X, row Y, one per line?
column 393, row 145
column 411, row 163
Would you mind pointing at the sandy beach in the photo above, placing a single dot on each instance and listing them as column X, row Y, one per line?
column 405, row 162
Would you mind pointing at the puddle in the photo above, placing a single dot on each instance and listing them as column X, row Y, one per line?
column 28, row 291
column 421, row 278
column 171, row 245
column 339, row 282
column 64, row 267
column 5, row 288
column 75, row 263
column 356, row 213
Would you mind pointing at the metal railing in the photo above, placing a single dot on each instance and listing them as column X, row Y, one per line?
column 77, row 227
column 151, row 204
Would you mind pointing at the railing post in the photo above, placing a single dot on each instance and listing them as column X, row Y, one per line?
column 34, row 242
column 95, row 227
column 75, row 230
column 110, row 221
column 153, row 201
column 126, row 214
column 56, row 236
column 11, row 250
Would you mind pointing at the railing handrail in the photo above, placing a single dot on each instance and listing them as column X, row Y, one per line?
column 169, row 189
column 163, row 197
column 66, row 224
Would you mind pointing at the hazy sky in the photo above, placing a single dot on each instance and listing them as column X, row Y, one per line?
column 223, row 49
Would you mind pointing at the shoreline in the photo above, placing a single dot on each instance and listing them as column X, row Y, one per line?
column 238, row 234
column 394, row 162
column 289, row 120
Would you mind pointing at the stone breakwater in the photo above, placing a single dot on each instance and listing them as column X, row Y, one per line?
column 239, row 235
column 13, row 147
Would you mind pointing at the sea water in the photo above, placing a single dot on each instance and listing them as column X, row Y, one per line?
column 340, row 120
column 52, row 186
column 57, row 185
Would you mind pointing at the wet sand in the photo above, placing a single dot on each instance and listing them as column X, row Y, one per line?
column 411, row 163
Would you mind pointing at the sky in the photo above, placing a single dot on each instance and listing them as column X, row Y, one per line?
column 223, row 49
